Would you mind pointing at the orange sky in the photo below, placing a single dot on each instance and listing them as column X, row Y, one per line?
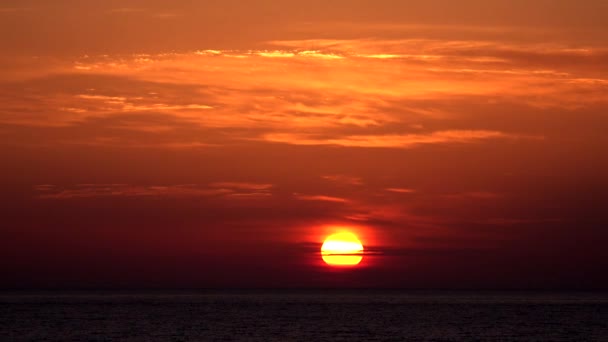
column 205, row 144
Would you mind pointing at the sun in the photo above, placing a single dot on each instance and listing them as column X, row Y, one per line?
column 342, row 249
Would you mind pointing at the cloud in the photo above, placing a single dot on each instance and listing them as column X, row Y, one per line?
column 482, row 195
column 389, row 141
column 518, row 221
column 44, row 187
column 380, row 93
column 8, row 10
column 124, row 190
column 124, row 104
column 401, row 190
column 163, row 15
column 321, row 198
column 344, row 179
column 227, row 189
column 126, row 10
column 242, row 186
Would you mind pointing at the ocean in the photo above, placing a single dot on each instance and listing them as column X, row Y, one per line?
column 307, row 315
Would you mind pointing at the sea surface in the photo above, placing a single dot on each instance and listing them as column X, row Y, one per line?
column 303, row 316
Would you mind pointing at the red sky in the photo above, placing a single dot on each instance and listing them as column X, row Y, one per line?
column 215, row 144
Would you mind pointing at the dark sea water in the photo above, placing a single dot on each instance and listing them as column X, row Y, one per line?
column 304, row 316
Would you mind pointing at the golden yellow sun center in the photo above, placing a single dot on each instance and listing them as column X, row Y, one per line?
column 342, row 249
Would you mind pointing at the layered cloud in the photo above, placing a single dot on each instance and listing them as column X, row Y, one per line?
column 354, row 93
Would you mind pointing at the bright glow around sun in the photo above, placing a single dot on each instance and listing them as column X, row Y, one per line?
column 342, row 249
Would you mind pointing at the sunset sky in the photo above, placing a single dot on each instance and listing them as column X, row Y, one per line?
column 206, row 144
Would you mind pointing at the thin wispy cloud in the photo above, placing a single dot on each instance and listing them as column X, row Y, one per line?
column 321, row 198
column 390, row 141
column 401, row 190
column 126, row 10
column 242, row 186
column 12, row 10
column 343, row 179
column 235, row 190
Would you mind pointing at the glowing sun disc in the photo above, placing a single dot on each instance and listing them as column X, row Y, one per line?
column 342, row 249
